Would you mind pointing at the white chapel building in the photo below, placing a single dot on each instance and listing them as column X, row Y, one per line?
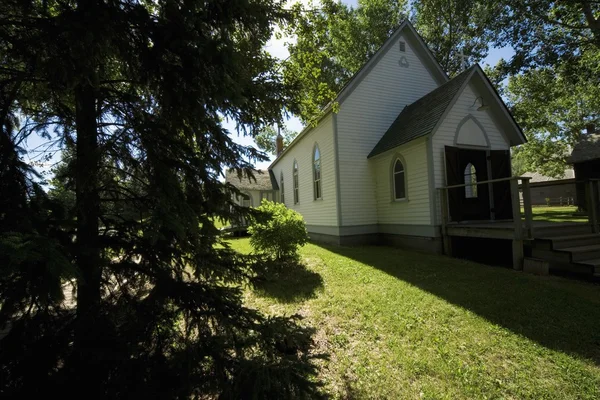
column 370, row 172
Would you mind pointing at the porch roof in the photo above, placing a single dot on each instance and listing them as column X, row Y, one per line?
column 587, row 149
column 263, row 180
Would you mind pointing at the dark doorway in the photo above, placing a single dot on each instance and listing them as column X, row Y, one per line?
column 500, row 162
column 467, row 166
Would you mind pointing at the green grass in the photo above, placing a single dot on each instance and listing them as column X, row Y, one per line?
column 557, row 214
column 406, row 325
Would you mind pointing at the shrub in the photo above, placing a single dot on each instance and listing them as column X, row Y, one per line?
column 277, row 231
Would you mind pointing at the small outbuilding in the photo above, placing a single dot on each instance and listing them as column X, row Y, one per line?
column 585, row 159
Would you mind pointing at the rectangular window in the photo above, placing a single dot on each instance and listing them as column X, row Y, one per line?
column 402, row 47
column 399, row 185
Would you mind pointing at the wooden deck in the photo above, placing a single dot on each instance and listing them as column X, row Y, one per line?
column 526, row 229
column 506, row 229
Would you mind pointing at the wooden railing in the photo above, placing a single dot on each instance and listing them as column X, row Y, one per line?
column 523, row 230
column 522, row 221
column 520, row 228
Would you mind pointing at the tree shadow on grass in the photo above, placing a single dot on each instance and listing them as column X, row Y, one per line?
column 557, row 313
column 288, row 283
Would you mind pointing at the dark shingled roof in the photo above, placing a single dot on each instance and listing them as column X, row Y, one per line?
column 265, row 180
column 587, row 149
column 419, row 118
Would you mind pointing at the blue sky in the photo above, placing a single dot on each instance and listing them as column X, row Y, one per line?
column 278, row 49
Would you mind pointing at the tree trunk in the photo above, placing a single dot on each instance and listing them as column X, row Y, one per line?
column 88, row 250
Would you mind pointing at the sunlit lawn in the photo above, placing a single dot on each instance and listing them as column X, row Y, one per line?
column 557, row 214
column 406, row 325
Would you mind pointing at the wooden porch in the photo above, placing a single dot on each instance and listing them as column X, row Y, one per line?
column 522, row 228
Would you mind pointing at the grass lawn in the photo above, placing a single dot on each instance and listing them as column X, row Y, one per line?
column 405, row 325
column 557, row 214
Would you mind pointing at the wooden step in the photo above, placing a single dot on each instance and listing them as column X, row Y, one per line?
column 562, row 230
column 550, row 255
column 593, row 262
column 581, row 253
column 561, row 242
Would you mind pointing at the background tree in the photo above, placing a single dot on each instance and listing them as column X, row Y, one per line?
column 137, row 90
column 335, row 40
column 453, row 27
column 265, row 139
column 553, row 111
column 554, row 75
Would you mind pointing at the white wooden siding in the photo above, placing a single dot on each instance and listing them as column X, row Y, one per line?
column 363, row 119
column 415, row 210
column 445, row 134
column 315, row 212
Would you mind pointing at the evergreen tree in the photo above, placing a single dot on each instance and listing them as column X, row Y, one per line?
column 136, row 91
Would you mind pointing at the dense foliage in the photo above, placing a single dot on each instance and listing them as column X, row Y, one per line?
column 554, row 75
column 265, row 139
column 554, row 84
column 335, row 40
column 136, row 92
column 277, row 231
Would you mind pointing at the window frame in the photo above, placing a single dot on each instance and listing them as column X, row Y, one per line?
column 317, row 181
column 471, row 188
column 249, row 199
column 296, row 182
column 281, row 188
column 398, row 158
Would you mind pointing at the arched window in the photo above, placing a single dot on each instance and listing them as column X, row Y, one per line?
column 317, row 173
column 281, row 187
column 399, row 181
column 296, row 192
column 471, row 181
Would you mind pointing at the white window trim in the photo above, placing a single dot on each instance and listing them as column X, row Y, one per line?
column 398, row 157
column 319, row 181
column 296, row 182
column 471, row 189
column 282, row 188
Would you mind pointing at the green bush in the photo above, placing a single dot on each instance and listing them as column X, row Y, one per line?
column 277, row 231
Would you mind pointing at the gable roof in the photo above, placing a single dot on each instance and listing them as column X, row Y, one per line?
column 424, row 115
column 421, row 117
column 263, row 180
column 536, row 177
column 587, row 149
column 433, row 67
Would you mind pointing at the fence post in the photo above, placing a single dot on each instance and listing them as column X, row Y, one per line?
column 447, row 241
column 590, row 194
column 517, row 243
column 527, row 208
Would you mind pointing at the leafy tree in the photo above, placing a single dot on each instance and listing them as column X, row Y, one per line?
column 335, row 40
column 136, row 90
column 455, row 26
column 550, row 34
column 553, row 111
column 265, row 139
column 554, row 89
column 277, row 231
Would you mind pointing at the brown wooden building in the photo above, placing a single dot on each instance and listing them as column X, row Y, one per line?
column 585, row 159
